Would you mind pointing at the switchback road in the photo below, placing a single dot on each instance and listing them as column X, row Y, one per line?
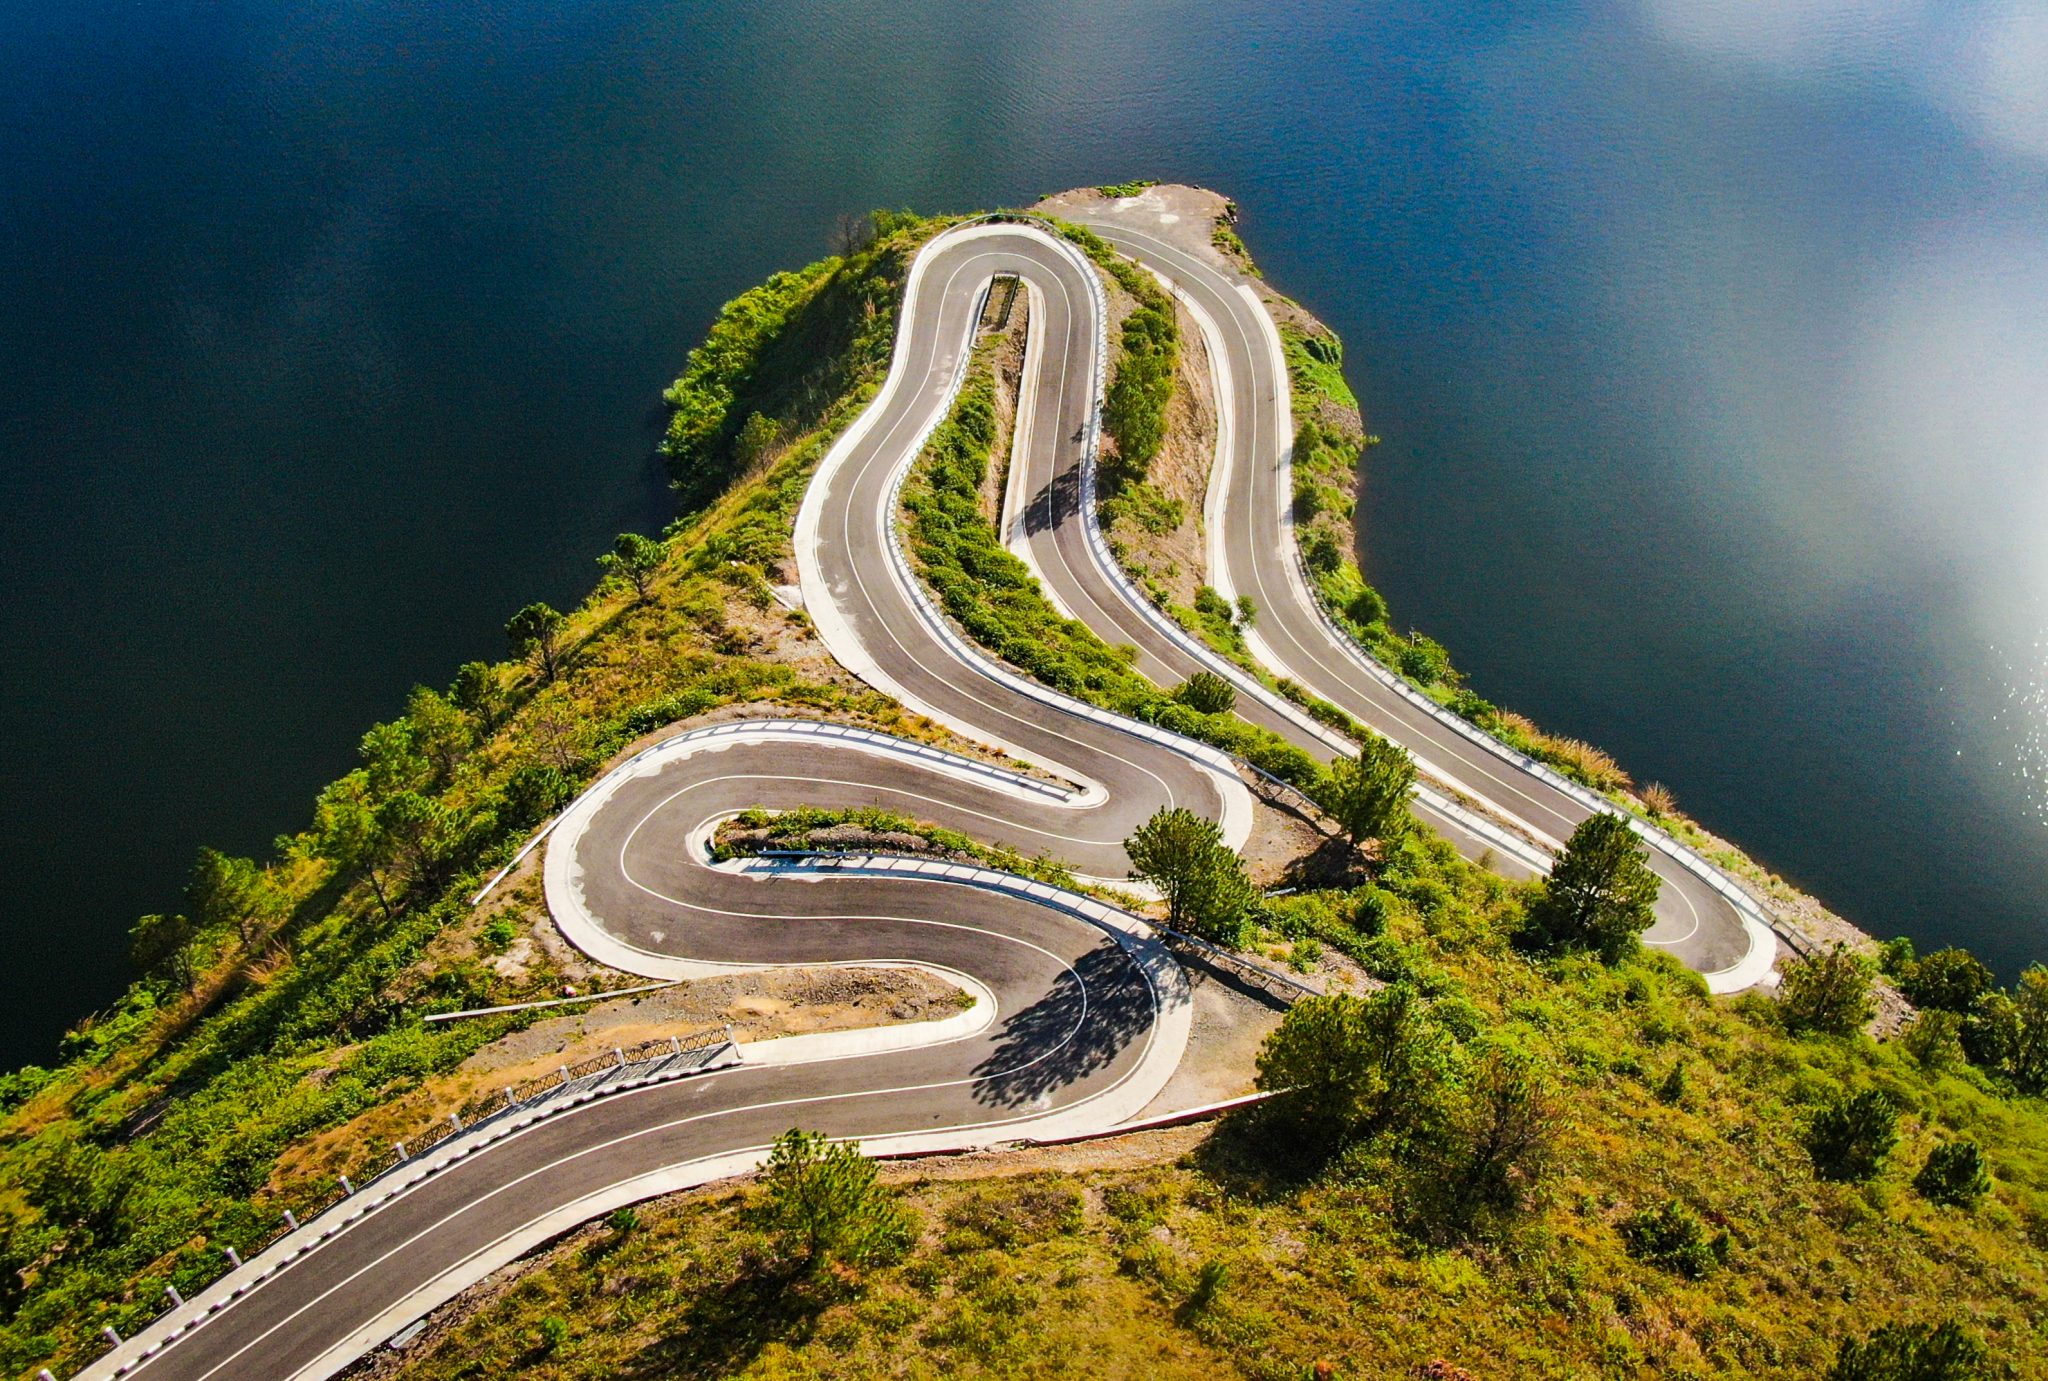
column 1078, row 1016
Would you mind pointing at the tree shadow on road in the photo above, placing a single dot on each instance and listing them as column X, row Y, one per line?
column 1055, row 502
column 1093, row 1013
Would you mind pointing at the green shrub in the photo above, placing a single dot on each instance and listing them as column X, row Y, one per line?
column 1934, row 1040
column 1954, row 1174
column 1850, row 1135
column 1827, row 992
column 1949, row 979
column 1672, row 1237
column 1366, row 607
column 1425, row 660
column 1914, row 1352
column 1353, row 1068
column 1320, row 552
column 1207, row 693
column 824, row 1204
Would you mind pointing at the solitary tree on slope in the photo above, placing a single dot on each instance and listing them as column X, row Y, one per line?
column 635, row 559
column 1368, row 794
column 1600, row 894
column 1828, row 992
column 536, row 632
column 824, row 1204
column 1201, row 880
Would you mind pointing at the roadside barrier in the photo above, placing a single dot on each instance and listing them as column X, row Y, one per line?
column 901, row 747
column 1747, row 907
column 477, row 1124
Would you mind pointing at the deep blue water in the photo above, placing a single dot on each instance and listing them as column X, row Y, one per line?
column 1707, row 343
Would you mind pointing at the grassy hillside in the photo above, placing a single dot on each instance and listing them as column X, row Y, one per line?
column 1667, row 1109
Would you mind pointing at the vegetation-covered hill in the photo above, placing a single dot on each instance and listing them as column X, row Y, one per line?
column 1667, row 1183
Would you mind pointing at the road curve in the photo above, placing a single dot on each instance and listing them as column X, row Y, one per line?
column 1702, row 916
column 1079, row 1016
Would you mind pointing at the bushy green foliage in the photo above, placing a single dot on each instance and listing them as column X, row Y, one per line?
column 1425, row 661
column 1951, row 979
column 1134, row 408
column 1368, row 794
column 1201, row 880
column 1599, row 895
column 1954, row 1174
column 1934, row 1039
column 1350, row 1068
column 824, row 1204
column 1207, row 693
column 803, row 829
column 1669, row 1235
column 1828, row 992
column 1914, row 1352
column 536, row 632
column 1851, row 1133
column 2007, row 1032
column 1488, row 1153
column 1121, row 190
column 634, row 558
column 1365, row 607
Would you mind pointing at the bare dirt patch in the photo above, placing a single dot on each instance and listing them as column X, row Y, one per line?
column 758, row 1006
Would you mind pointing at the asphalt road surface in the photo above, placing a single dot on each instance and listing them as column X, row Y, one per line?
column 1079, row 1018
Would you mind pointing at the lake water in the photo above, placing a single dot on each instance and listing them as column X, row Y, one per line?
column 1709, row 343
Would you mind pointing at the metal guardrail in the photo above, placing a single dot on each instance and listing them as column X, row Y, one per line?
column 902, row 747
column 1737, row 896
column 624, row 1067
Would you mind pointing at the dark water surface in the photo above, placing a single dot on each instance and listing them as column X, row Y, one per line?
column 1707, row 343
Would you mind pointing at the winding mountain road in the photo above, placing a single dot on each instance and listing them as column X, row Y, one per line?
column 1079, row 1016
